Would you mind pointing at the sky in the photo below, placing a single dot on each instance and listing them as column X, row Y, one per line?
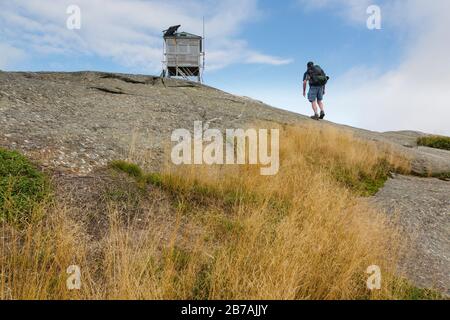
column 393, row 78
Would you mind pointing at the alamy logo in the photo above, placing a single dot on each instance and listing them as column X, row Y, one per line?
column 73, row 282
column 211, row 146
column 74, row 20
column 374, row 280
column 374, row 20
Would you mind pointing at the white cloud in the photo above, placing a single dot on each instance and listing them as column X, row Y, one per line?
column 255, row 57
column 10, row 55
column 129, row 31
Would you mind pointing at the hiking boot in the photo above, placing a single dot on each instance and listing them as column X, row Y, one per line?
column 322, row 115
column 315, row 117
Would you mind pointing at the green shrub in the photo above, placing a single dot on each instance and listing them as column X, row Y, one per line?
column 363, row 183
column 129, row 168
column 154, row 179
column 443, row 176
column 411, row 292
column 438, row 142
column 22, row 186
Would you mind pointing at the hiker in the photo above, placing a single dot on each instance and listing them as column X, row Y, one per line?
column 317, row 80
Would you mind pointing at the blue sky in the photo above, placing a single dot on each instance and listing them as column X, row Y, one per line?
column 257, row 49
column 323, row 36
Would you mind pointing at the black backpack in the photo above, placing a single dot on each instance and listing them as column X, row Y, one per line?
column 317, row 76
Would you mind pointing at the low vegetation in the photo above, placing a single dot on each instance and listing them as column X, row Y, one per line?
column 443, row 176
column 438, row 142
column 227, row 231
column 21, row 186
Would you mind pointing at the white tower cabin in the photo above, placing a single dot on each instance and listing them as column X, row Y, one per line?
column 182, row 54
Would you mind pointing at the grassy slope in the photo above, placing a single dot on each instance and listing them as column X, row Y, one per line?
column 302, row 234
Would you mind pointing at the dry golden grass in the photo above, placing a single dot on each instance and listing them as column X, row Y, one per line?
column 302, row 234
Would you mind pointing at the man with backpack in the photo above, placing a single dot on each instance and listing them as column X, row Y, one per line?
column 317, row 80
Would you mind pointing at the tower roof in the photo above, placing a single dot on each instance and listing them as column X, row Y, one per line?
column 172, row 33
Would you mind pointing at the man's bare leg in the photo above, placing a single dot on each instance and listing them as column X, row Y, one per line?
column 314, row 106
column 320, row 103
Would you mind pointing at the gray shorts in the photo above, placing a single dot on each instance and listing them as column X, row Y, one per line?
column 315, row 93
